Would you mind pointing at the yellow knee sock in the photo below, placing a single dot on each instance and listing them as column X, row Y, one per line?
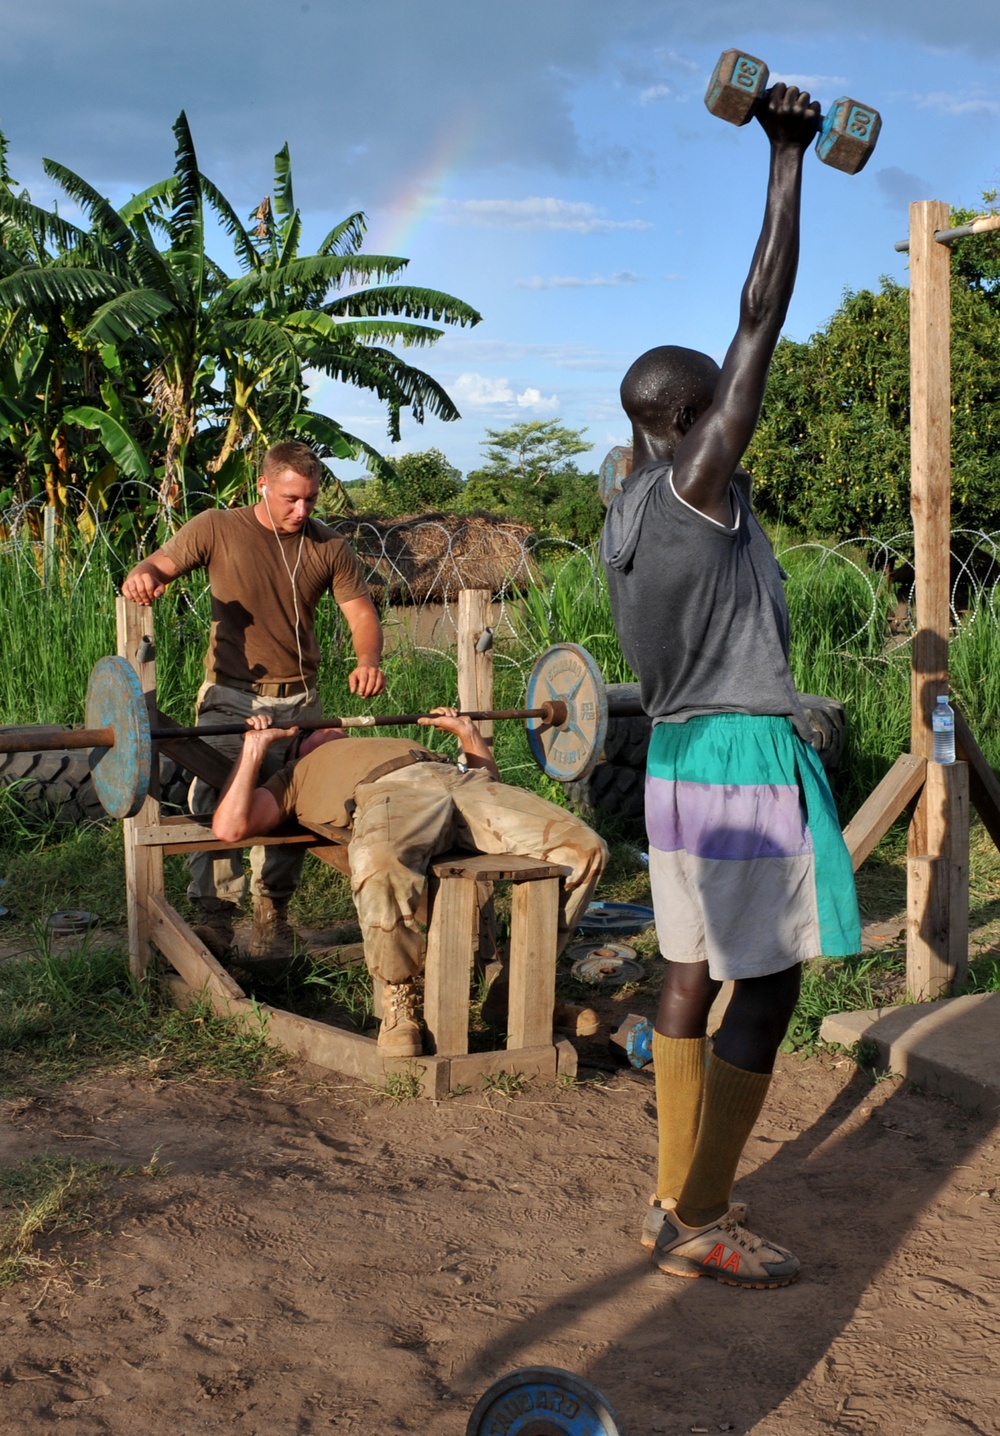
column 732, row 1102
column 679, row 1067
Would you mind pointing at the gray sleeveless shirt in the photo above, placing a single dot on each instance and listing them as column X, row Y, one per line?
column 699, row 608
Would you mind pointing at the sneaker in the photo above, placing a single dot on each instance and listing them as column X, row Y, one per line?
column 273, row 935
column 725, row 1251
column 399, row 1033
column 575, row 1021
column 657, row 1210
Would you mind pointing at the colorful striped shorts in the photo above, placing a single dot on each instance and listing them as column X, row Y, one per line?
column 748, row 867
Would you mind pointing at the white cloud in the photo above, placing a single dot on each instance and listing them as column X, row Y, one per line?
column 532, row 399
column 959, row 104
column 479, row 391
column 653, row 93
column 569, row 281
column 536, row 213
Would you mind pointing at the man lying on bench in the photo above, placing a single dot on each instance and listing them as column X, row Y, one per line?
column 397, row 805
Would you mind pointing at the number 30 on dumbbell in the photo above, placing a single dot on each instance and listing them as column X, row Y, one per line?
column 848, row 131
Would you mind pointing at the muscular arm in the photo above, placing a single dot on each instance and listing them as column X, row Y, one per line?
column 475, row 749
column 148, row 579
column 707, row 455
column 245, row 810
column 367, row 678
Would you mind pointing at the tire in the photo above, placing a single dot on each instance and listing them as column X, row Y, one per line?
column 57, row 787
column 627, row 739
column 611, row 791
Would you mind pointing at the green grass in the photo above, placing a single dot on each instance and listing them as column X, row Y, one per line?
column 67, row 1010
column 47, row 1194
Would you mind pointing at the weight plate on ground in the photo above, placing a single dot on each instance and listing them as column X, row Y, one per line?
column 609, row 964
column 607, row 918
column 69, row 922
column 567, row 673
column 115, row 700
column 542, row 1401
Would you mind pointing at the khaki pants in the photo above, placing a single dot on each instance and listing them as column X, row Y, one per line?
column 403, row 820
column 275, row 870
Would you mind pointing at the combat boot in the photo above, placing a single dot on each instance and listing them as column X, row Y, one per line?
column 273, row 935
column 214, row 924
column 399, row 1034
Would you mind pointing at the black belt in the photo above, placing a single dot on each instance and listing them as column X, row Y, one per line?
column 263, row 690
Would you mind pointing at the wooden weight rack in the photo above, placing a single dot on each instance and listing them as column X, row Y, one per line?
column 459, row 885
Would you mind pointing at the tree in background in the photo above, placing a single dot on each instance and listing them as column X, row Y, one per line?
column 530, row 475
column 127, row 352
column 831, row 452
column 416, row 484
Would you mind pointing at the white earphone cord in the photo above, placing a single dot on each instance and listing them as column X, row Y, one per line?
column 291, row 575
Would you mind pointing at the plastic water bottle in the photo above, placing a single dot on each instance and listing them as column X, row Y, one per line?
column 943, row 725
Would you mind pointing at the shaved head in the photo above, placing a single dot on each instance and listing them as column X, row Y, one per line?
column 665, row 380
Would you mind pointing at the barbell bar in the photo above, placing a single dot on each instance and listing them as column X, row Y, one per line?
column 566, row 714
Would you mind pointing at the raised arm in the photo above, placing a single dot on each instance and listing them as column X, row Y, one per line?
column 367, row 678
column 149, row 578
column 475, row 749
column 244, row 810
column 707, row 455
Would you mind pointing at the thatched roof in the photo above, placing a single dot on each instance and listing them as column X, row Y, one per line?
column 432, row 556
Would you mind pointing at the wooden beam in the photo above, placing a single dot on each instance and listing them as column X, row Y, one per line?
column 883, row 806
column 534, row 933
column 984, row 789
column 448, row 965
column 184, row 951
column 930, row 463
column 937, row 886
column 143, row 866
column 475, row 669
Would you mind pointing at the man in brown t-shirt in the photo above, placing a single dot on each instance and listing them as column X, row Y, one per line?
column 268, row 565
column 396, row 805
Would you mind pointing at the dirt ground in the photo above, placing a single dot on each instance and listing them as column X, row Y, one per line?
column 310, row 1259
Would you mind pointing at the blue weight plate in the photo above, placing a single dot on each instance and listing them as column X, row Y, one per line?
column 568, row 673
column 616, row 467
column 121, row 773
column 542, row 1401
column 605, row 918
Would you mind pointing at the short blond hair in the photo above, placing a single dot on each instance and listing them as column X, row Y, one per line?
column 295, row 455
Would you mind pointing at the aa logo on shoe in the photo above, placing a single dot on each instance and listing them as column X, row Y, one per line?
column 716, row 1255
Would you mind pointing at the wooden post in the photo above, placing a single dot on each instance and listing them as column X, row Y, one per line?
column 930, row 462
column 475, row 670
column 937, row 925
column 143, row 865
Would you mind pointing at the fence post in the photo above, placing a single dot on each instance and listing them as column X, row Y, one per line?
column 475, row 667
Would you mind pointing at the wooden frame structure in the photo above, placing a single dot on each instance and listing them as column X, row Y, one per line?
column 460, row 885
column 938, row 795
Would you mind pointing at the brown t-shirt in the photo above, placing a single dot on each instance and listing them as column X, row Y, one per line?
column 318, row 790
column 253, row 605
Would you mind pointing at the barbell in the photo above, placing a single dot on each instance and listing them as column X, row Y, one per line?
column 566, row 713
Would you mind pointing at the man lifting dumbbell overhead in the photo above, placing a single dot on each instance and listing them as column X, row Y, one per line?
column 398, row 805
column 749, row 873
column 268, row 565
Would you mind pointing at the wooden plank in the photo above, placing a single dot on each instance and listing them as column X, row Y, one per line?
column 930, row 463
column 334, row 854
column 187, row 954
column 143, row 866
column 533, row 935
column 317, row 1042
column 883, row 806
column 494, row 867
column 937, row 926
column 984, row 789
column 194, row 755
column 567, row 1058
column 528, row 1061
column 190, row 836
column 448, row 965
column 475, row 670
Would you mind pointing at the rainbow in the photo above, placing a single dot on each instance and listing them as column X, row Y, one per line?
column 401, row 220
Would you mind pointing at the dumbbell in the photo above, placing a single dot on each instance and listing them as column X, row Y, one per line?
column 848, row 131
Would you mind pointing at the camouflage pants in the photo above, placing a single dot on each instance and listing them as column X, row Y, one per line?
column 275, row 869
column 406, row 818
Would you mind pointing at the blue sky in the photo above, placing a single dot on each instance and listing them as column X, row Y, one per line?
column 549, row 161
